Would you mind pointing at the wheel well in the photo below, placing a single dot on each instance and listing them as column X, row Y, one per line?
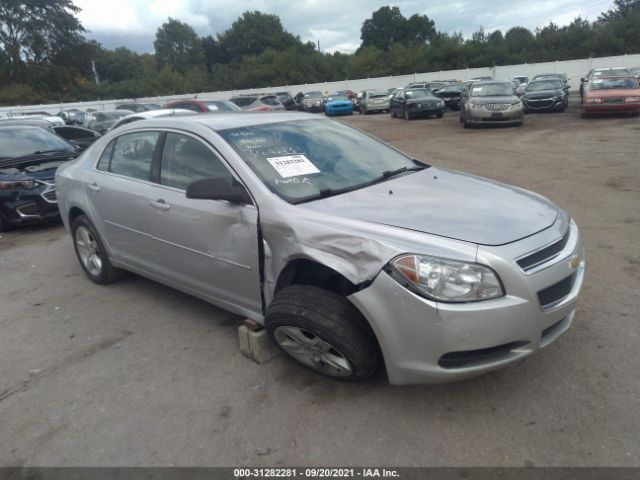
column 309, row 272
column 74, row 213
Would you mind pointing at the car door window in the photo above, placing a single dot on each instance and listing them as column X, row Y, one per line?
column 185, row 160
column 133, row 153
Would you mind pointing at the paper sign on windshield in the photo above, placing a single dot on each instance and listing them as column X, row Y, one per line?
column 293, row 165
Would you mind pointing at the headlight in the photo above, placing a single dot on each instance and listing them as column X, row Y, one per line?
column 475, row 106
column 516, row 106
column 23, row 185
column 632, row 99
column 440, row 103
column 446, row 280
column 593, row 100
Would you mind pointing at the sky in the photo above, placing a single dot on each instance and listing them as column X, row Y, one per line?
column 335, row 23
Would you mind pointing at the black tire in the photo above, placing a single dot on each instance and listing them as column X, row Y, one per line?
column 107, row 273
column 407, row 115
column 465, row 124
column 334, row 320
column 393, row 113
column 439, row 115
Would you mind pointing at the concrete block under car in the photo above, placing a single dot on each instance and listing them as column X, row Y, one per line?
column 255, row 344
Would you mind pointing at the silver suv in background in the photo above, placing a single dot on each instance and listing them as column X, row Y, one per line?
column 313, row 102
column 491, row 103
column 257, row 103
column 355, row 256
column 374, row 101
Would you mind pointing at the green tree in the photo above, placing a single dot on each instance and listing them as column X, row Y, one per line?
column 36, row 30
column 177, row 46
column 252, row 34
column 386, row 26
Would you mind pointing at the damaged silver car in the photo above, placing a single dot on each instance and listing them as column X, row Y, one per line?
column 353, row 255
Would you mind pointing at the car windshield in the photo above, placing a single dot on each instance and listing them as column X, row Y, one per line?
column 222, row 106
column 612, row 72
column 492, row 90
column 378, row 94
column 304, row 160
column 453, row 88
column 337, row 98
column 313, row 95
column 544, row 85
column 614, row 83
column 422, row 93
column 521, row 79
column 438, row 85
column 20, row 141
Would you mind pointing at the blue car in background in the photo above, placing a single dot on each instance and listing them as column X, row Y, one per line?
column 338, row 105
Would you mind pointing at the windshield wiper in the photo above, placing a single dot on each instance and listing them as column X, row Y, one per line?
column 330, row 192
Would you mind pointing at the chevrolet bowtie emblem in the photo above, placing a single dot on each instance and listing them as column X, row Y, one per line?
column 575, row 262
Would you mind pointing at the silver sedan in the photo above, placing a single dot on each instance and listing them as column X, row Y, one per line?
column 353, row 255
column 491, row 103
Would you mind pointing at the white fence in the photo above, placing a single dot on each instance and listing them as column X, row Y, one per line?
column 574, row 69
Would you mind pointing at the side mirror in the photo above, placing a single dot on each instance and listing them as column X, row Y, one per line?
column 219, row 189
column 582, row 79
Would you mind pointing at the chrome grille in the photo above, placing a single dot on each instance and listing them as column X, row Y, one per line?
column 546, row 254
column 613, row 100
column 497, row 107
column 50, row 196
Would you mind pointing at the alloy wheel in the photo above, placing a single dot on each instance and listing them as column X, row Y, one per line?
column 312, row 351
column 88, row 250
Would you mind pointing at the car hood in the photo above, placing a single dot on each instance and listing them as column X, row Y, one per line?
column 339, row 103
column 500, row 99
column 542, row 93
column 448, row 204
column 614, row 92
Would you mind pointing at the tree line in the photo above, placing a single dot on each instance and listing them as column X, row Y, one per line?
column 45, row 56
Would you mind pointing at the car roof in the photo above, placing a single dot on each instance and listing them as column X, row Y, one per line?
column 223, row 121
column 34, row 122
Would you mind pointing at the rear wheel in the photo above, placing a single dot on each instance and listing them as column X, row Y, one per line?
column 91, row 252
column 324, row 332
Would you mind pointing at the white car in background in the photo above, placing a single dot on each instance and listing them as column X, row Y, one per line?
column 166, row 112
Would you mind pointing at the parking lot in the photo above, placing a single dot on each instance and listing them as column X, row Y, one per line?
column 138, row 374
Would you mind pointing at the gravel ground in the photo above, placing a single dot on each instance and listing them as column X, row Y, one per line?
column 138, row 374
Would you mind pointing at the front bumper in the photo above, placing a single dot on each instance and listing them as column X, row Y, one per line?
column 429, row 342
column 483, row 117
column 610, row 108
column 417, row 109
column 21, row 207
column 452, row 103
column 338, row 110
column 312, row 107
column 377, row 107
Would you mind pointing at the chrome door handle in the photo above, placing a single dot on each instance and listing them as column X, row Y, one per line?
column 160, row 204
column 93, row 187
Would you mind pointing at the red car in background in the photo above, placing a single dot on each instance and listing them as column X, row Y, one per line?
column 353, row 96
column 203, row 105
column 607, row 95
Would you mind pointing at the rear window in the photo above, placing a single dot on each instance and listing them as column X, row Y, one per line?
column 243, row 101
column 271, row 100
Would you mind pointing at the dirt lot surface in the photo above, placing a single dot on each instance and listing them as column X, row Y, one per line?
column 138, row 374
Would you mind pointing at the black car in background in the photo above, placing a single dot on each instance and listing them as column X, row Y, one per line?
column 418, row 102
column 545, row 95
column 451, row 95
column 78, row 136
column 287, row 100
column 29, row 157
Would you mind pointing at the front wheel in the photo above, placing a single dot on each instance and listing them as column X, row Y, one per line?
column 439, row 115
column 91, row 252
column 324, row 332
column 407, row 115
